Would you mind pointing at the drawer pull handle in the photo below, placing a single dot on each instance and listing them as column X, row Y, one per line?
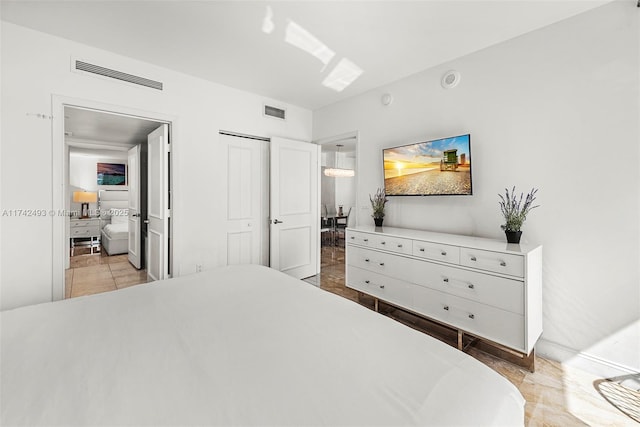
column 446, row 307
column 382, row 263
column 352, row 237
column 503, row 264
column 473, row 258
column 383, row 243
column 443, row 253
column 366, row 281
column 366, row 240
column 366, row 259
column 446, row 280
column 471, row 316
column 399, row 246
column 470, row 286
column 381, row 286
column 421, row 249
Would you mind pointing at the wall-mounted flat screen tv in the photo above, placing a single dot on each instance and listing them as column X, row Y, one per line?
column 441, row 167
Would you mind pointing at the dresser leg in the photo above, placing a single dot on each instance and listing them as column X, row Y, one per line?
column 460, row 336
column 375, row 304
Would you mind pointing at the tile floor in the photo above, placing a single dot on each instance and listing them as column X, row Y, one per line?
column 556, row 395
column 94, row 273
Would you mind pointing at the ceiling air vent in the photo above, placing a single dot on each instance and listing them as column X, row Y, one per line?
column 118, row 75
column 278, row 113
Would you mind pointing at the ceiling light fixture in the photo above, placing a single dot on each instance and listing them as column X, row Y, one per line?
column 338, row 172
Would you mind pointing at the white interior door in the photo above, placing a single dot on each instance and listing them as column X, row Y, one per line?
column 158, row 209
column 247, row 215
column 294, row 207
column 134, row 207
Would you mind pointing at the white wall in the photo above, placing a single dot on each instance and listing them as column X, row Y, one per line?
column 555, row 109
column 36, row 66
column 346, row 187
column 83, row 171
column 83, row 175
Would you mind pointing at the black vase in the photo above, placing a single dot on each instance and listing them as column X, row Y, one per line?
column 513, row 236
column 378, row 221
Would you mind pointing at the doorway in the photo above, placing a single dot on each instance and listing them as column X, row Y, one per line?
column 107, row 166
column 338, row 208
column 87, row 133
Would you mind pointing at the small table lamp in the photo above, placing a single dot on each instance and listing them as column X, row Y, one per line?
column 85, row 197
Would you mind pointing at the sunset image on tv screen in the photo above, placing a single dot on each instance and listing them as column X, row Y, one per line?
column 439, row 167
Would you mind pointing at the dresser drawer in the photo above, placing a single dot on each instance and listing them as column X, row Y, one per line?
column 381, row 262
column 478, row 319
column 84, row 223
column 436, row 251
column 499, row 292
column 358, row 238
column 510, row 264
column 385, row 288
column 383, row 242
column 85, row 231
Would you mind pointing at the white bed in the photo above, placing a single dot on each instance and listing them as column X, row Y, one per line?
column 242, row 345
column 115, row 238
column 114, row 219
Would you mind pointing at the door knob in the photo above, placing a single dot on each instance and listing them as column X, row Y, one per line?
column 137, row 215
column 146, row 221
column 275, row 221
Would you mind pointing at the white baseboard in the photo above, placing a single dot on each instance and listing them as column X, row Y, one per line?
column 587, row 362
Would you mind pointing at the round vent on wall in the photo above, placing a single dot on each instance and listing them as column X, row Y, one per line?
column 450, row 79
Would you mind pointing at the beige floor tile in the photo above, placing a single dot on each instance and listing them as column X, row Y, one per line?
column 116, row 259
column 84, row 260
column 93, row 287
column 131, row 279
column 94, row 271
column 91, row 269
column 121, row 266
column 89, row 278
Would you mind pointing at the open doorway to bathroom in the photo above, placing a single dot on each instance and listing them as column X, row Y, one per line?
column 100, row 178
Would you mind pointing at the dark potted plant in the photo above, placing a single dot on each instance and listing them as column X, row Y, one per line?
column 377, row 203
column 515, row 212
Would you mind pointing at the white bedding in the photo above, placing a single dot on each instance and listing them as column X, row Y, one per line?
column 243, row 345
column 119, row 231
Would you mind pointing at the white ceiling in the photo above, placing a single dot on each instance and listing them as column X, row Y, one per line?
column 88, row 131
column 224, row 41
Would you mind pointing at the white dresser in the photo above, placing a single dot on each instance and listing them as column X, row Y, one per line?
column 87, row 228
column 486, row 288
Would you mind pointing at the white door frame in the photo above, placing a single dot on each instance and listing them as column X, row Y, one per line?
column 60, row 166
column 332, row 140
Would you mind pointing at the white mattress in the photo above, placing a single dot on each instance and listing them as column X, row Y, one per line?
column 243, row 345
column 118, row 231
